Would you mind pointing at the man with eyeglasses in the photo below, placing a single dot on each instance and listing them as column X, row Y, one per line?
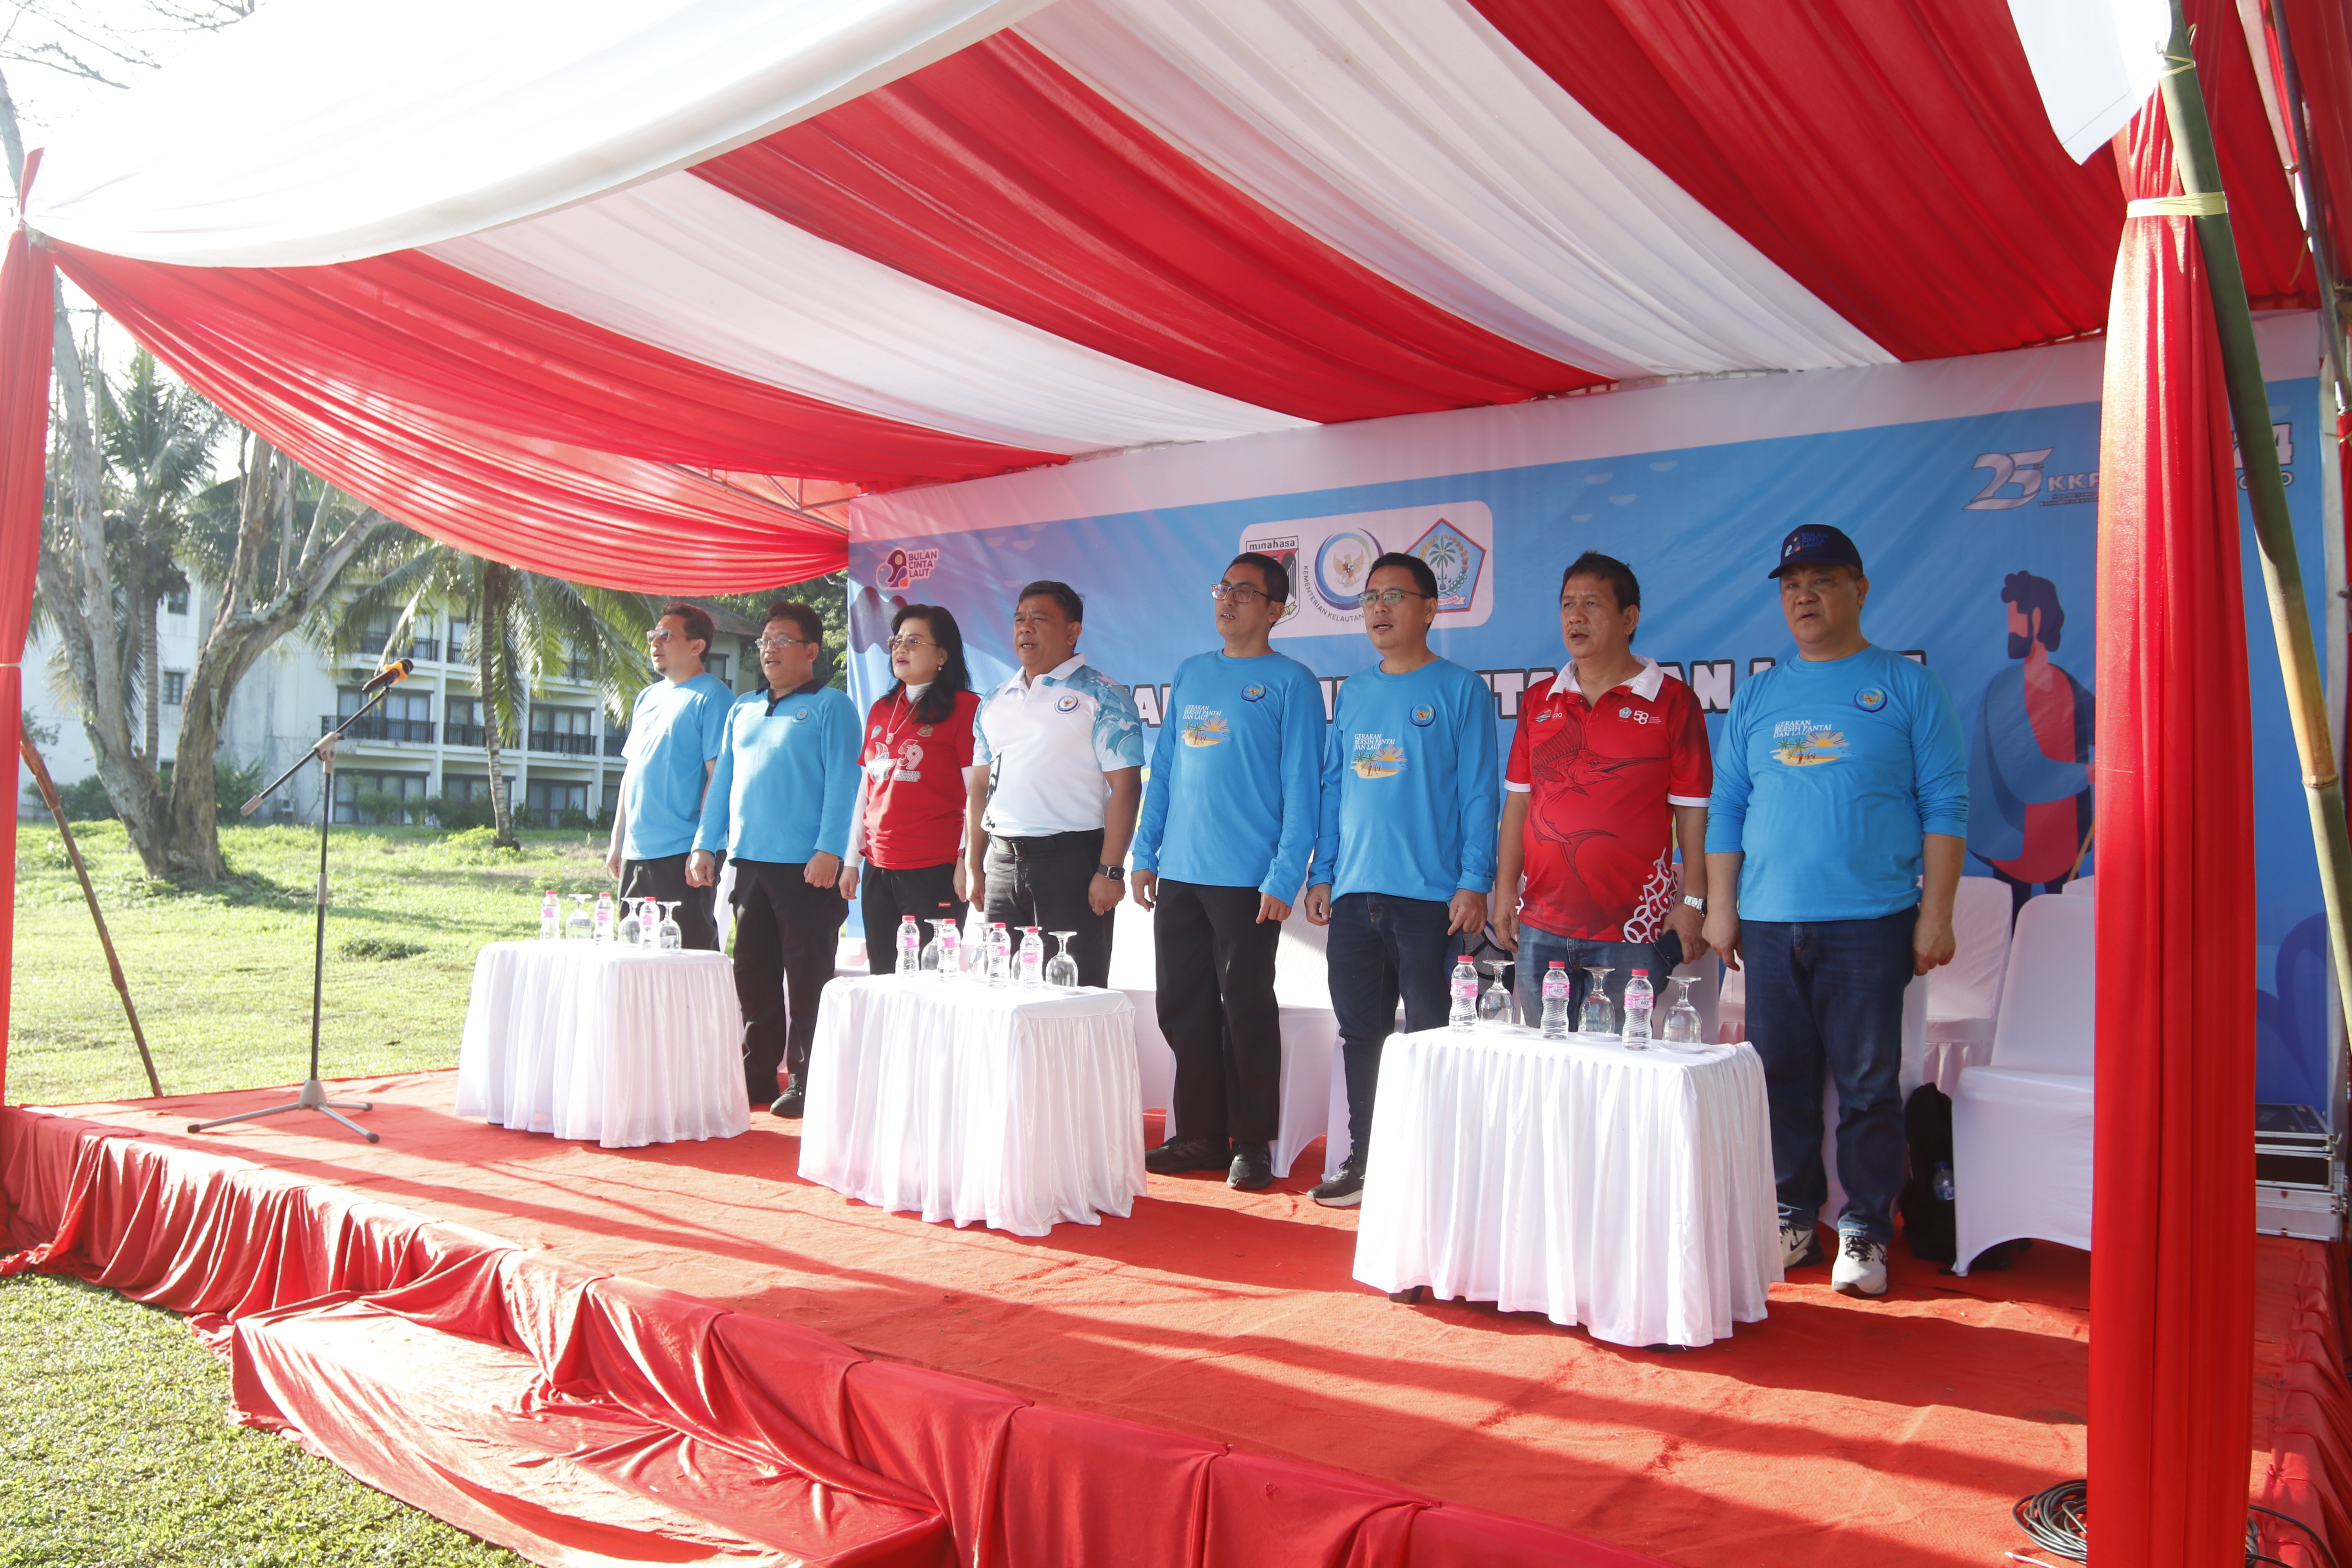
column 1406, row 851
column 1229, row 818
column 779, row 804
column 1058, row 754
column 673, row 742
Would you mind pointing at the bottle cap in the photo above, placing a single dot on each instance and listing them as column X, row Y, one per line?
column 1557, row 964
column 1643, row 973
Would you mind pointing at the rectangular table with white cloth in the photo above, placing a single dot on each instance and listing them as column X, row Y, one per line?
column 1630, row 1192
column 973, row 1104
column 595, row 1041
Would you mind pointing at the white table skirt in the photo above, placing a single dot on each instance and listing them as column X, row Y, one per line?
column 1310, row 1057
column 1017, row 1110
column 1627, row 1191
column 585, row 1040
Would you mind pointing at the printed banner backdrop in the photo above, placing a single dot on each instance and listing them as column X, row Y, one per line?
column 1970, row 487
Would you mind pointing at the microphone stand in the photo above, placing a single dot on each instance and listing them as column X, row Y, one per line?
column 314, row 1093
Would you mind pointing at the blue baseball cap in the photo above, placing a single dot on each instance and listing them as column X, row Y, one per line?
column 1811, row 542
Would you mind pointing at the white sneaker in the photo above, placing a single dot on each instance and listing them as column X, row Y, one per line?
column 1861, row 1268
column 1799, row 1247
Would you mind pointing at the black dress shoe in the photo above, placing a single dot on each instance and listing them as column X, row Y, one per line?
column 1252, row 1168
column 1181, row 1154
column 787, row 1104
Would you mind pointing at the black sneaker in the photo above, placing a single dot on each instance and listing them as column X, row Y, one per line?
column 1346, row 1190
column 1179, row 1155
column 1252, row 1168
column 787, row 1104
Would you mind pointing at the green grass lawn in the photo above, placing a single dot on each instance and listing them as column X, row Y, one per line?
column 114, row 1453
column 222, row 976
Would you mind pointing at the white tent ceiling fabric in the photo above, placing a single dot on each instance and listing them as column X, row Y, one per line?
column 1420, row 113
column 323, row 131
column 680, row 264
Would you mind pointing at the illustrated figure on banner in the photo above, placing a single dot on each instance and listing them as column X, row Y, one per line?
column 2029, row 759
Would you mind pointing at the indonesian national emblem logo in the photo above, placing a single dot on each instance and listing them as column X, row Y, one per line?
column 1255, row 692
column 1870, row 698
column 1342, row 564
column 1423, row 715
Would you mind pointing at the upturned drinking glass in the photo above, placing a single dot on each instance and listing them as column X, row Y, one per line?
column 630, row 931
column 581, row 924
column 1495, row 1003
column 672, row 939
column 1682, row 1026
column 1599, row 1016
column 1061, row 968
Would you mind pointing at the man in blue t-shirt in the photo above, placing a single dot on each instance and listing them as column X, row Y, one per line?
column 1834, row 843
column 1229, row 818
column 1405, row 855
column 673, row 741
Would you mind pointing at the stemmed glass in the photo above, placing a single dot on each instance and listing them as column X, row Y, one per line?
column 1682, row 1019
column 672, row 939
column 1597, row 1018
column 630, row 931
column 1061, row 968
column 1495, row 1004
column 580, row 925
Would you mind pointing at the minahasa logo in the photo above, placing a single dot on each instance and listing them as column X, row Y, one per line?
column 1454, row 560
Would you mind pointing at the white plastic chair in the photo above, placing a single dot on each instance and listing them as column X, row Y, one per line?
column 1964, row 995
column 2080, row 888
column 2021, row 1124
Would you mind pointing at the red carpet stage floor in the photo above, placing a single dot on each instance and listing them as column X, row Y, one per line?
column 1836, row 1432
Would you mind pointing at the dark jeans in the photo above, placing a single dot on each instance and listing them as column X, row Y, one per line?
column 1215, row 971
column 786, row 934
column 1044, row 883
column 1382, row 945
column 1829, row 995
column 927, row 892
column 665, row 879
column 1537, row 948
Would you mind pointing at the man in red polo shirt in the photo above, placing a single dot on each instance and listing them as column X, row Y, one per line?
column 1609, row 768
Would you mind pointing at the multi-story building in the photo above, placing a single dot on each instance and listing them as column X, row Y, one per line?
column 422, row 742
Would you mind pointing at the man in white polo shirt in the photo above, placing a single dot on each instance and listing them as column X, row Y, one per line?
column 1058, row 771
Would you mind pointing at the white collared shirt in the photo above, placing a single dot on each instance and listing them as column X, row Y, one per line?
column 1048, row 743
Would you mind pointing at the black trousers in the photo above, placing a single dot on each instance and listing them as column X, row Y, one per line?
column 926, row 893
column 1044, row 883
column 1215, row 965
column 786, row 933
column 665, row 879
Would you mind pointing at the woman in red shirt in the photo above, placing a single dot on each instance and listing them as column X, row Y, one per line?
column 908, row 832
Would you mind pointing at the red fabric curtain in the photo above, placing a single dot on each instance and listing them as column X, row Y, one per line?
column 2172, row 1223
column 28, row 322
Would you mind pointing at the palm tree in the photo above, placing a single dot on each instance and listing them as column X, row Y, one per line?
column 521, row 624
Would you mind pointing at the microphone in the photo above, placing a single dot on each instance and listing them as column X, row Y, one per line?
column 390, row 675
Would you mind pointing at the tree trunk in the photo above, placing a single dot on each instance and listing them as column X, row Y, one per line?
column 491, row 613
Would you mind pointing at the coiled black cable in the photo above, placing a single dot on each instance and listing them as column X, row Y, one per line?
column 2057, row 1519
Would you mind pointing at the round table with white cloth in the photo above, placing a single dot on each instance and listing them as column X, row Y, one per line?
column 1016, row 1109
column 594, row 1040
column 1629, row 1191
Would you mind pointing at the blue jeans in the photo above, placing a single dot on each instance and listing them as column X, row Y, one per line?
column 1537, row 948
column 1828, row 995
column 1380, row 945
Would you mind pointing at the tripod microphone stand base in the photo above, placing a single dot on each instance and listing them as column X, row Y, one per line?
column 314, row 1098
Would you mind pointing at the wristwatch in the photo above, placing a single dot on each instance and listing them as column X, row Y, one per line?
column 1698, row 904
column 1116, row 873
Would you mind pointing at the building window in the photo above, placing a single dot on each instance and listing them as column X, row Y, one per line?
column 556, row 804
column 375, row 797
column 717, row 665
column 176, row 687
column 406, row 716
column 567, row 731
column 175, row 602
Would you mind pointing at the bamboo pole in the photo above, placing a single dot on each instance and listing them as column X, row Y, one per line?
column 2250, row 410
column 105, row 939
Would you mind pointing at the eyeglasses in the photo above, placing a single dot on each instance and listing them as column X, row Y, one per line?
column 908, row 645
column 659, row 633
column 1239, row 593
column 1392, row 597
column 785, row 642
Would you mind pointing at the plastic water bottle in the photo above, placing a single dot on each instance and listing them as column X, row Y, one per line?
column 1464, row 1013
column 1555, row 1001
column 911, row 945
column 1033, row 959
column 997, row 969
column 1639, row 1001
column 1942, row 1180
column 550, row 917
column 950, row 952
column 604, row 917
column 649, row 924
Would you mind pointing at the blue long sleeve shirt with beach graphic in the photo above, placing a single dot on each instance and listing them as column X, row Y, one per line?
column 1826, row 775
column 1410, row 787
column 787, row 777
column 1233, row 800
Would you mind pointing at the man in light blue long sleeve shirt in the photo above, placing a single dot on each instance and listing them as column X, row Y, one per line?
column 1834, row 842
column 1229, row 817
column 1405, row 855
column 779, row 806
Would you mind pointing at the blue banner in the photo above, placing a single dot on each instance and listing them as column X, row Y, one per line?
column 1979, row 539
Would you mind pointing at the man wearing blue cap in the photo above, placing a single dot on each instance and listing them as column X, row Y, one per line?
column 1834, row 843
